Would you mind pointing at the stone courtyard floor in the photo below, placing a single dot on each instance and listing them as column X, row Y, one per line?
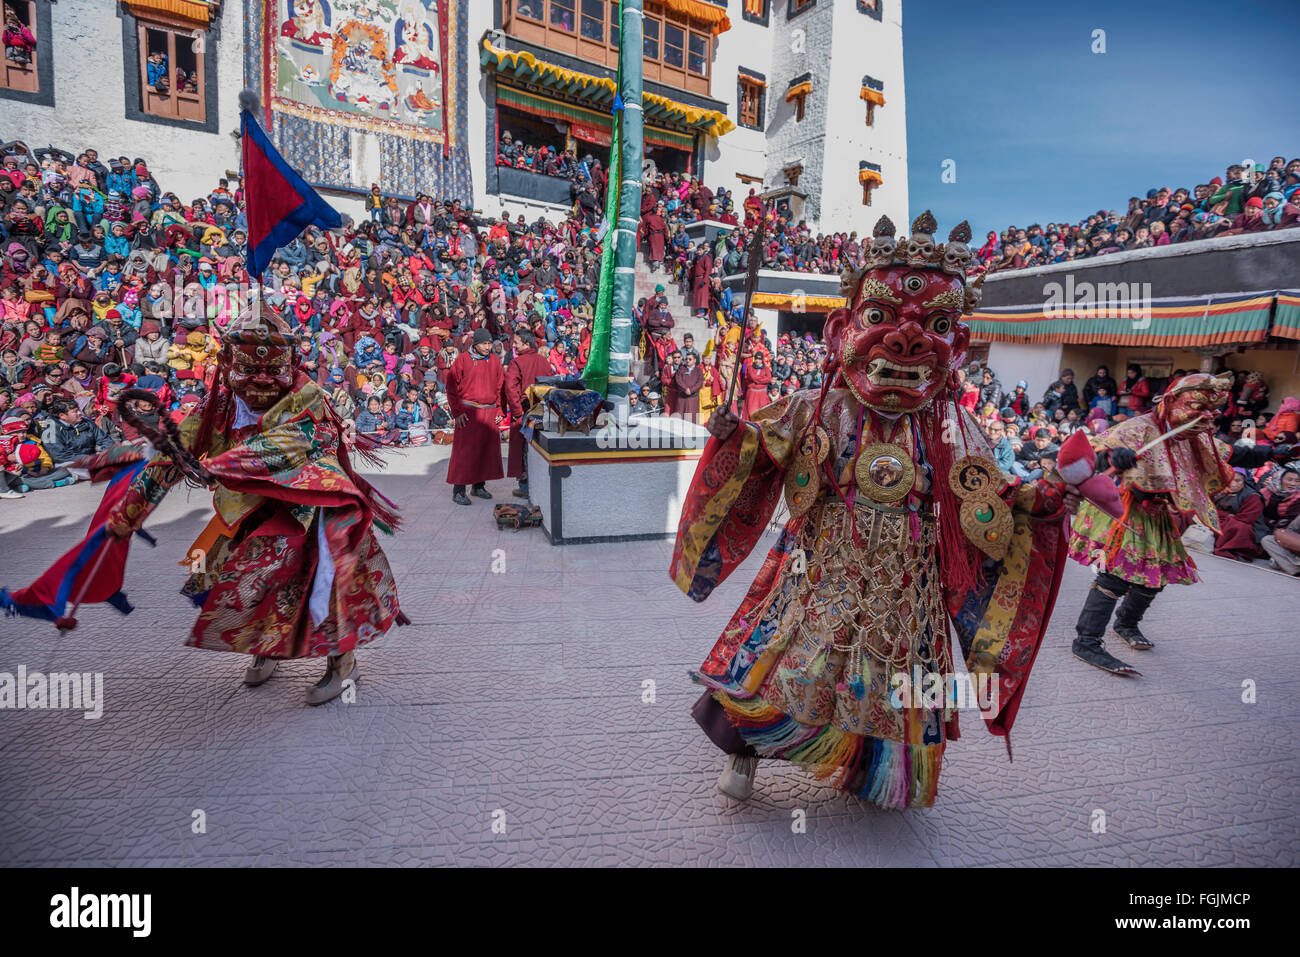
column 538, row 714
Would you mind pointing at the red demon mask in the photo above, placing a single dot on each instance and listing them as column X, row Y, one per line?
column 259, row 358
column 1193, row 398
column 901, row 336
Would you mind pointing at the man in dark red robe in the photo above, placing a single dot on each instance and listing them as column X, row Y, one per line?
column 668, row 380
column 757, row 378
column 687, row 384
column 701, row 279
column 654, row 230
column 524, row 370
column 658, row 323
column 474, row 395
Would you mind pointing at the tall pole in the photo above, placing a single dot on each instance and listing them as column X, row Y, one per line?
column 631, row 50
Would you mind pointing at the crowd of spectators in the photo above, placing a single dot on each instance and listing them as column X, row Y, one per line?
column 1250, row 197
column 108, row 281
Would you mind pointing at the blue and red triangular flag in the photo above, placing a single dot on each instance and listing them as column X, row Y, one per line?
column 92, row 571
column 279, row 203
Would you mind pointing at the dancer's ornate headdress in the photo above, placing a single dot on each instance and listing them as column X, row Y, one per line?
column 919, row 251
column 259, row 325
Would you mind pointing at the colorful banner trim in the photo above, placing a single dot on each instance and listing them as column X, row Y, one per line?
column 1214, row 320
column 1286, row 316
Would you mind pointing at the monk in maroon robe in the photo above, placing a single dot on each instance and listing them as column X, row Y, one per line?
column 701, row 278
column 687, row 384
column 757, row 378
column 668, row 381
column 474, row 396
column 524, row 370
column 1239, row 508
column 654, row 230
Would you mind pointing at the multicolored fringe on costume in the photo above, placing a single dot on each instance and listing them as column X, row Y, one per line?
column 891, row 774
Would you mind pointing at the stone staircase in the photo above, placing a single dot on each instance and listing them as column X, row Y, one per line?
column 679, row 304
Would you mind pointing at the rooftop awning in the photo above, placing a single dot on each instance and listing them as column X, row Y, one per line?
column 598, row 92
column 714, row 17
column 1203, row 321
column 198, row 12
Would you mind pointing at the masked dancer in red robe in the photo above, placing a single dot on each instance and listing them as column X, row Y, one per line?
column 1171, row 466
column 288, row 566
column 900, row 522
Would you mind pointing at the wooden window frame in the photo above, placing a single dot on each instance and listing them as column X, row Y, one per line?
column 540, row 19
column 871, row 8
column 24, row 79
column 691, row 35
column 750, row 120
column 573, row 9
column 684, row 28
column 178, row 105
column 798, row 106
column 604, row 21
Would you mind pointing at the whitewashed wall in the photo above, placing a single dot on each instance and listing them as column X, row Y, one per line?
column 837, row 44
column 1038, row 363
column 861, row 44
column 742, row 150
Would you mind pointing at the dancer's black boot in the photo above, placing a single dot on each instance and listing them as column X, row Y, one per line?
column 1094, row 618
column 1130, row 612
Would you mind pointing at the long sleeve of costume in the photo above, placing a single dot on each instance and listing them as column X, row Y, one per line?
column 1000, row 624
column 150, row 487
column 733, row 494
column 455, row 372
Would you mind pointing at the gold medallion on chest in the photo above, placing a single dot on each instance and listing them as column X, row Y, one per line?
column 885, row 472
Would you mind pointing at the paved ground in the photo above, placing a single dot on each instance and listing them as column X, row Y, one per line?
column 517, row 697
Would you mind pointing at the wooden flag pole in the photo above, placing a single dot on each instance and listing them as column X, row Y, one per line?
column 751, row 287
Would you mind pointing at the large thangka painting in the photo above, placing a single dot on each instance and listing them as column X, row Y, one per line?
column 393, row 70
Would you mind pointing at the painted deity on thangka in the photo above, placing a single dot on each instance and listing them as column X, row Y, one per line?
column 899, row 522
column 362, row 57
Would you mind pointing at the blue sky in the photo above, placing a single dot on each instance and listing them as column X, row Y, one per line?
column 1043, row 129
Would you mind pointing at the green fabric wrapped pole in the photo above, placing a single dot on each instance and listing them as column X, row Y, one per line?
column 618, row 270
column 596, row 372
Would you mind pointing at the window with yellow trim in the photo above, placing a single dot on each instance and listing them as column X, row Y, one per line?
column 750, row 95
